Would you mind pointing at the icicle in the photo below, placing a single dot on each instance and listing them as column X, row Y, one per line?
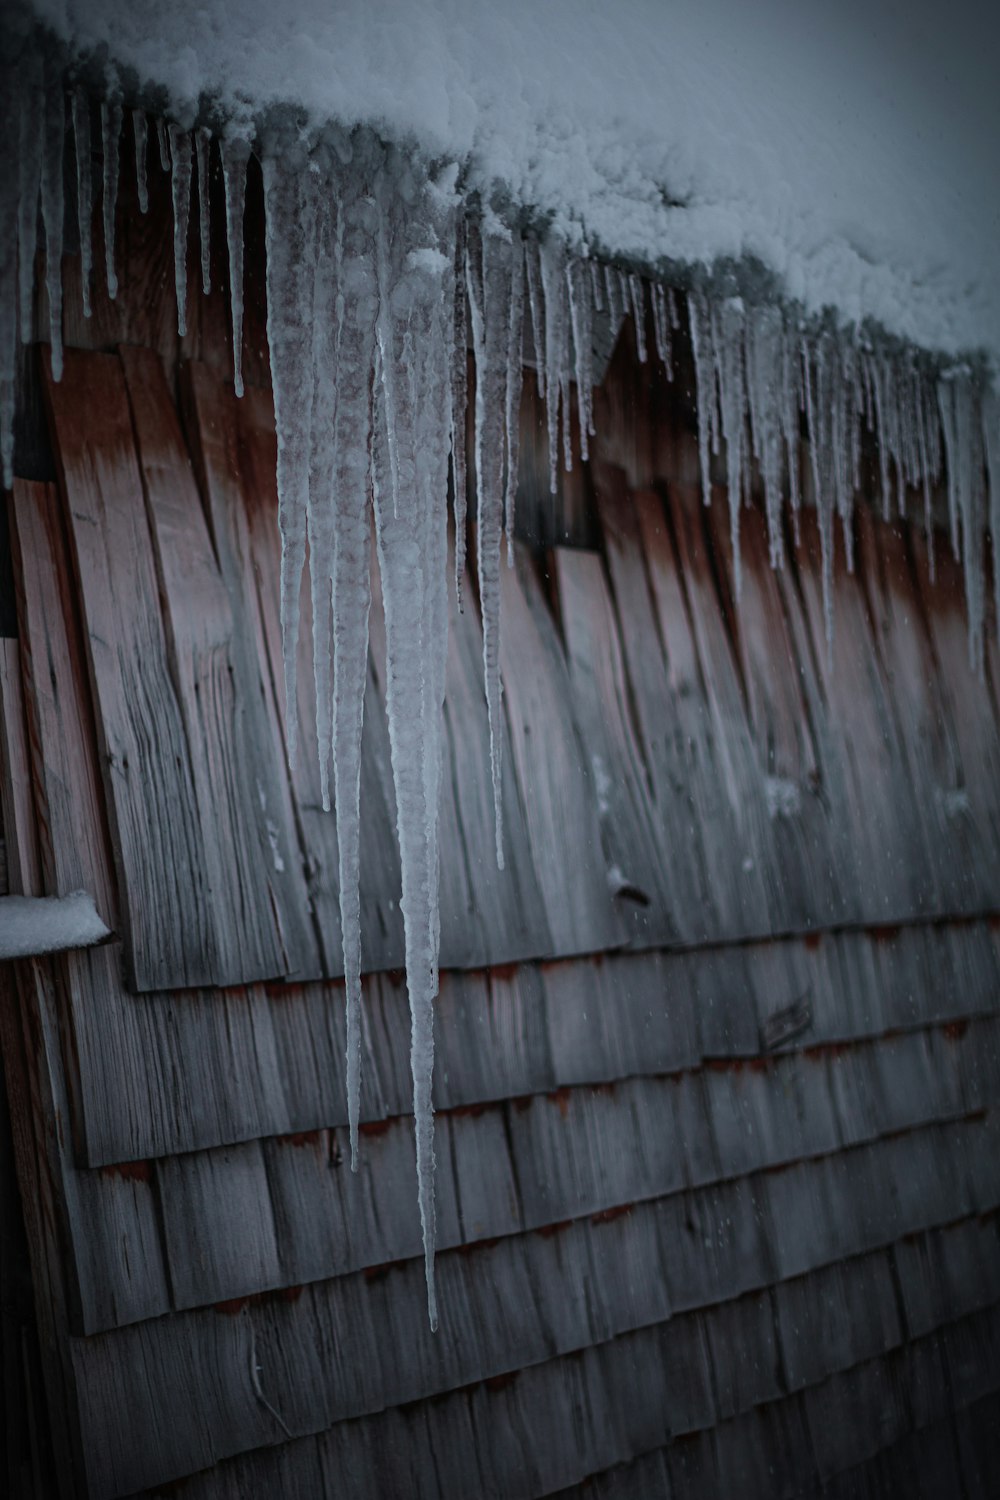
column 991, row 446
column 354, row 315
column 203, row 146
column 290, row 252
column 235, row 155
column 763, row 373
column 52, row 208
column 459, row 405
column 728, row 343
column 673, row 309
column 163, row 142
column 638, row 297
column 30, row 135
column 962, row 426
column 581, row 314
column 515, row 344
column 111, row 129
column 612, row 287
column 596, row 284
column 416, row 250
column 140, row 134
column 791, row 402
column 489, row 286
column 180, row 192
column 815, row 382
column 662, row 329
column 536, row 304
column 84, row 200
column 704, row 369
column 874, row 363
column 322, row 497
column 556, row 349
column 9, row 102
column 843, row 439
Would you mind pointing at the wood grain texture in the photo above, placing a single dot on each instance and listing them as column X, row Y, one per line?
column 253, row 870
column 522, row 1439
column 145, row 759
column 555, row 779
column 565, row 1155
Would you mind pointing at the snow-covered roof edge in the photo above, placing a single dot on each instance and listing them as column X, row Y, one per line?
column 724, row 152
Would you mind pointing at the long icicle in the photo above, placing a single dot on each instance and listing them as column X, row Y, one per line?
column 355, row 315
column 84, row 194
column 489, row 289
column 9, row 100
column 459, row 389
column 52, row 208
column 515, row 343
column 415, row 254
column 180, row 192
column 203, row 147
column 289, row 243
column 991, row 446
column 111, row 129
column 140, row 135
column 235, row 155
column 30, row 140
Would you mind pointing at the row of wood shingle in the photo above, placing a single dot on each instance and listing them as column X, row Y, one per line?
column 735, row 780
column 555, row 1422
column 149, row 1071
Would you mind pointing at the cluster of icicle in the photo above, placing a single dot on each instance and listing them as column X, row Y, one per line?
column 377, row 273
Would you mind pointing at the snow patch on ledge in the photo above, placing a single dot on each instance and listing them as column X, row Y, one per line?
column 848, row 150
column 30, row 925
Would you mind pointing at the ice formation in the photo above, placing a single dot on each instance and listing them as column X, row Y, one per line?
column 379, row 276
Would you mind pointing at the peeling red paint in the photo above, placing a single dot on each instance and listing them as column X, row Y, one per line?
column 302, row 1138
column 885, row 934
column 129, row 1171
column 608, row 1215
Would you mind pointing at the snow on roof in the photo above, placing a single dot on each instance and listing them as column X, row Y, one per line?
column 30, row 925
column 849, row 150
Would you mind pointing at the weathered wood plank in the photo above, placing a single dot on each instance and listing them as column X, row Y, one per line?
column 166, row 905
column 639, row 1391
column 507, row 915
column 212, row 424
column 602, row 709
column 662, row 675
column 33, row 1110
column 805, row 886
column 20, row 843
column 144, row 1074
column 960, row 803
column 565, row 1156
column 252, row 868
column 746, row 843
column 558, row 795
